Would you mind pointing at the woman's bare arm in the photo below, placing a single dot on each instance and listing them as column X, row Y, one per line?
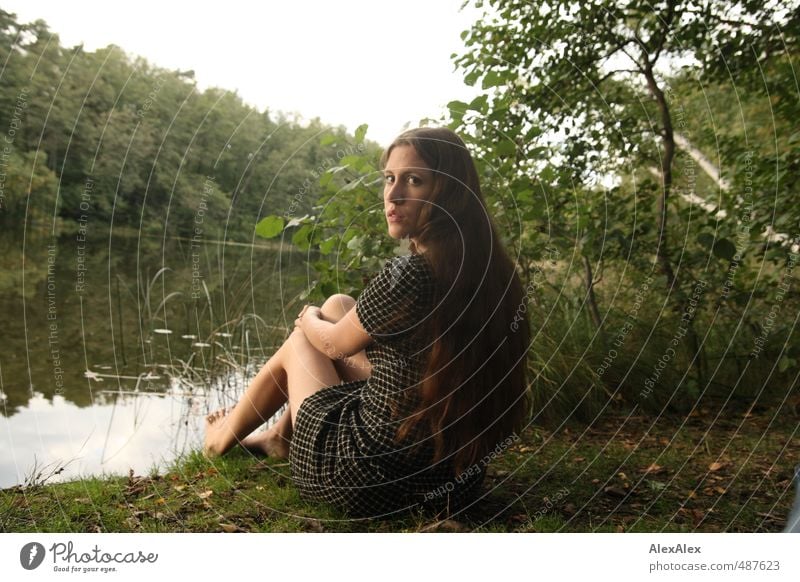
column 336, row 340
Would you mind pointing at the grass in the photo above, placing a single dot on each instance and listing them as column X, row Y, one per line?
column 619, row 473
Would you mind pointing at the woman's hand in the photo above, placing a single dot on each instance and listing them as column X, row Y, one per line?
column 308, row 311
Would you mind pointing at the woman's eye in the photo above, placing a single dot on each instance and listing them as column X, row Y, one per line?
column 388, row 179
column 414, row 181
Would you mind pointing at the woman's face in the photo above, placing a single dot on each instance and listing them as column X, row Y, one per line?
column 408, row 183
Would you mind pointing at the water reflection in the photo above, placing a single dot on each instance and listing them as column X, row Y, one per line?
column 113, row 355
column 56, row 437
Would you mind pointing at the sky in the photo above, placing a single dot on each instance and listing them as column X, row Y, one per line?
column 347, row 62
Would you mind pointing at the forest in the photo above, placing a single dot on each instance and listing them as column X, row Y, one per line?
column 640, row 160
column 110, row 136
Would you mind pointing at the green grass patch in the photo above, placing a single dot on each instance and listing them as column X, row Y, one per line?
column 711, row 471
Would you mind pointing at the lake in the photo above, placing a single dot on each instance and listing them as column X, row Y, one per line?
column 115, row 348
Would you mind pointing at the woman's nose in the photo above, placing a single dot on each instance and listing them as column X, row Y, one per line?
column 394, row 193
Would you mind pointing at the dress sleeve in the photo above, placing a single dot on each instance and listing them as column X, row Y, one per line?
column 389, row 306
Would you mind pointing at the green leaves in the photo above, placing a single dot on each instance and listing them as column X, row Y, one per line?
column 506, row 147
column 479, row 104
column 301, row 237
column 706, row 239
column 786, row 363
column 721, row 247
column 724, row 249
column 361, row 131
column 269, row 227
column 326, row 246
column 327, row 139
column 493, row 79
column 457, row 110
column 471, row 77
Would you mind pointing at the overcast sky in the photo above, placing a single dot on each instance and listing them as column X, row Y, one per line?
column 347, row 62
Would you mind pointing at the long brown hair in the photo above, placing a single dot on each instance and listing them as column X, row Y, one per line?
column 473, row 393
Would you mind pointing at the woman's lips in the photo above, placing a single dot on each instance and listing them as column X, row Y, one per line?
column 392, row 217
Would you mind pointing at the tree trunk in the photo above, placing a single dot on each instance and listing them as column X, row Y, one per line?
column 591, row 299
column 662, row 254
column 668, row 139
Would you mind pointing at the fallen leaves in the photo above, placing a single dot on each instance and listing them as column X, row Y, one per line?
column 518, row 519
column 615, row 491
column 654, row 469
column 716, row 490
column 137, row 485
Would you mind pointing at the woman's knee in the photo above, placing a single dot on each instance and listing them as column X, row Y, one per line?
column 293, row 346
column 336, row 306
column 300, row 348
column 297, row 339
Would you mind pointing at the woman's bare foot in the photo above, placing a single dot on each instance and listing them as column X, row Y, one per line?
column 268, row 443
column 215, row 433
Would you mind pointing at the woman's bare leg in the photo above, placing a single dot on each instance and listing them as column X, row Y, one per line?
column 274, row 441
column 265, row 395
column 296, row 371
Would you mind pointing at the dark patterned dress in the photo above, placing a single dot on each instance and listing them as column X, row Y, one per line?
column 343, row 450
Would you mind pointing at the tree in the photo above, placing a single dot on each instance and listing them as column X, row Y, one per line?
column 589, row 79
column 583, row 126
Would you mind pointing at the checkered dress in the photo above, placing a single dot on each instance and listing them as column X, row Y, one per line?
column 343, row 449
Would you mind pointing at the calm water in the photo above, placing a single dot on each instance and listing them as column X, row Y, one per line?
column 115, row 349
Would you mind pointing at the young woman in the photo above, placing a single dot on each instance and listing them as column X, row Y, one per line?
column 401, row 397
